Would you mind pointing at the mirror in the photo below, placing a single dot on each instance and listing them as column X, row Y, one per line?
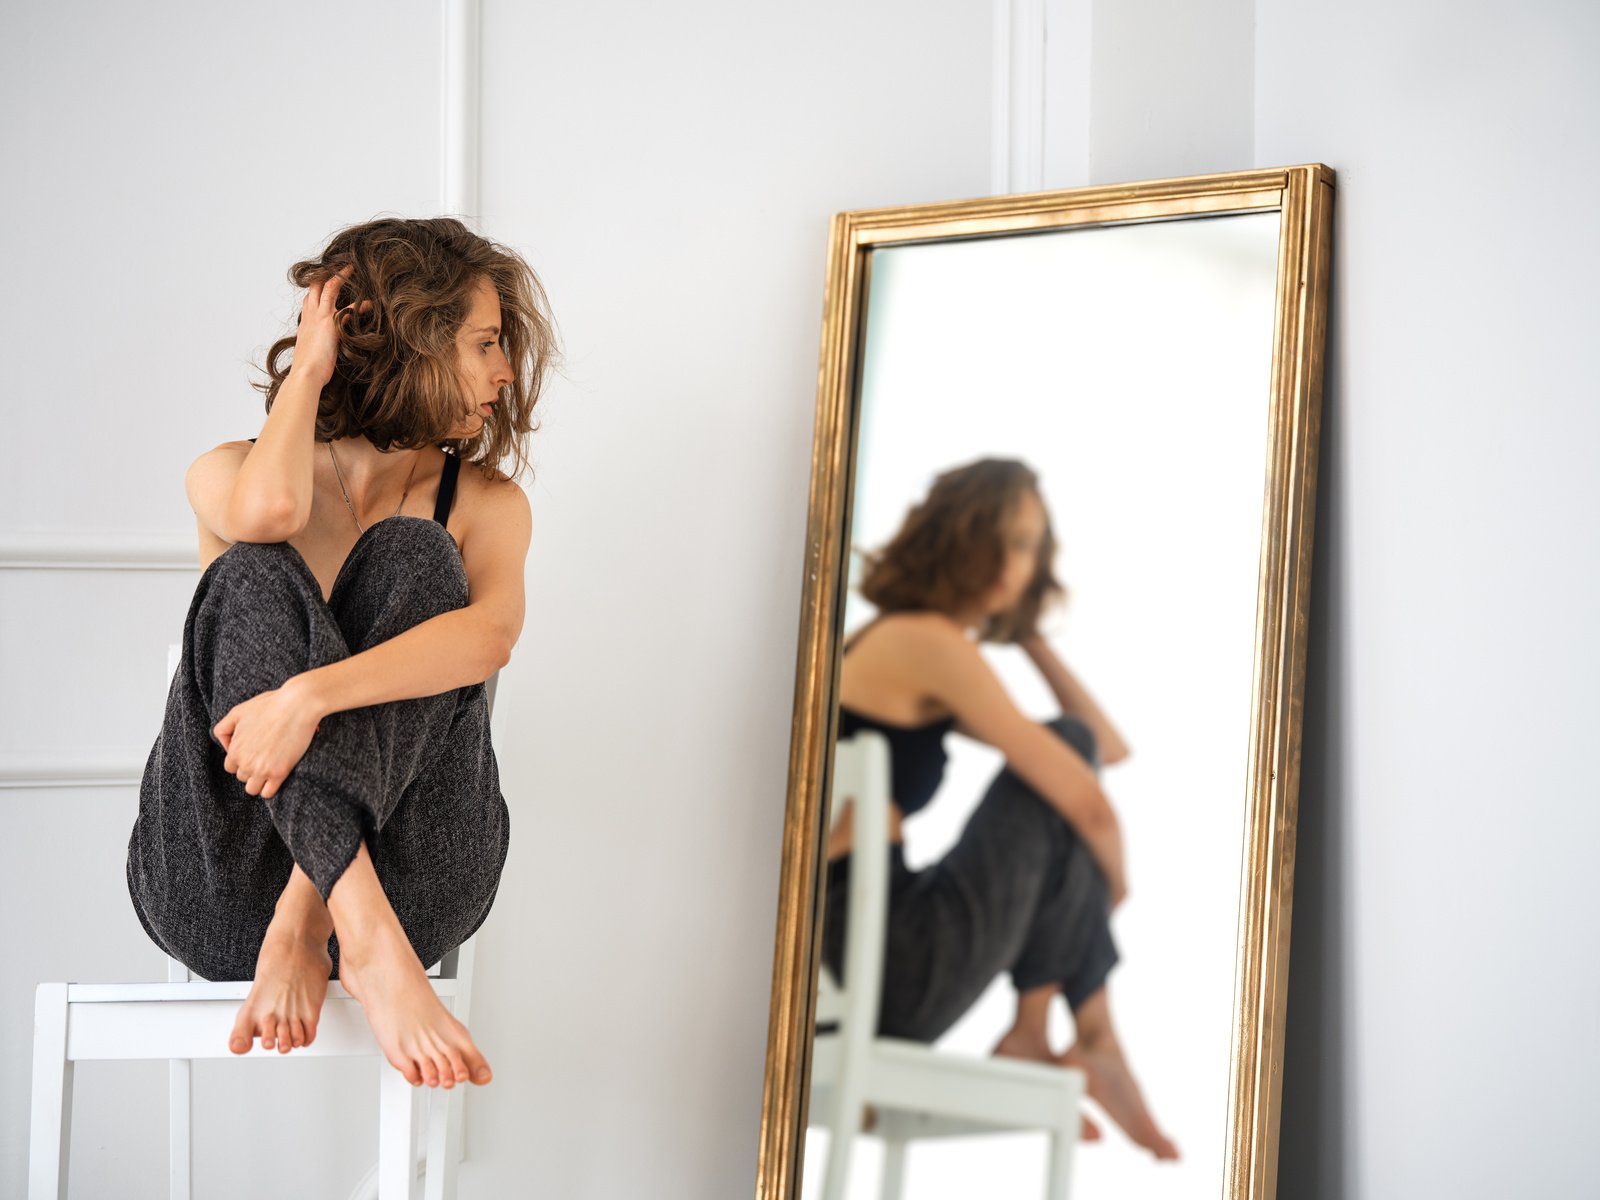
column 1060, row 530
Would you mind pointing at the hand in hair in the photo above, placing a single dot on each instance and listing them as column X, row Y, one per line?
column 316, row 343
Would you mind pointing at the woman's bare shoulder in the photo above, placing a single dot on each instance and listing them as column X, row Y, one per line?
column 924, row 624
column 487, row 485
column 490, row 500
column 226, row 450
column 922, row 636
column 238, row 445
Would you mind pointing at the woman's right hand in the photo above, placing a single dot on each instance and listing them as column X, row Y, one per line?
column 316, row 343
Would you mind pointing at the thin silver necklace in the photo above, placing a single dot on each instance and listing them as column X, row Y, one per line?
column 340, row 475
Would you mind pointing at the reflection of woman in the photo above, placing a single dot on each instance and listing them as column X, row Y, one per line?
column 324, row 764
column 1029, row 886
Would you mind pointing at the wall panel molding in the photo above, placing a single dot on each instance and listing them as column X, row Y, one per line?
column 1017, row 145
column 70, row 768
column 97, row 550
column 460, row 93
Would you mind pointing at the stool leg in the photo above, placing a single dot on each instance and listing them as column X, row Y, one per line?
column 439, row 1177
column 396, row 1131
column 1058, row 1181
column 894, row 1168
column 180, row 1129
column 180, row 1083
column 50, row 1135
column 841, row 1140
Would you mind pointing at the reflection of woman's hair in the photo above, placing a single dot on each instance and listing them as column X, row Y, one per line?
column 950, row 549
column 396, row 379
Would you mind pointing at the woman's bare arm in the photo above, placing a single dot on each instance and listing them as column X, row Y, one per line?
column 273, row 484
column 959, row 679
column 262, row 492
column 455, row 648
column 1075, row 699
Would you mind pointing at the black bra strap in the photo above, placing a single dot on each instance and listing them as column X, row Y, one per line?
column 447, row 488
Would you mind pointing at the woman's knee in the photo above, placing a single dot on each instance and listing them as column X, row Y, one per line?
column 1077, row 734
column 407, row 552
column 254, row 560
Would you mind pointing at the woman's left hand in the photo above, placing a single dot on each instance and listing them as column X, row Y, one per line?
column 265, row 736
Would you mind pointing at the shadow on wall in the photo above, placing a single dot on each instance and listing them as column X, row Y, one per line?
column 1312, row 1149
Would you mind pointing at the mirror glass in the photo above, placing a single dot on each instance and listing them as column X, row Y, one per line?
column 1127, row 368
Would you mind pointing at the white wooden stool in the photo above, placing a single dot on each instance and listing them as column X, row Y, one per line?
column 918, row 1093
column 185, row 1019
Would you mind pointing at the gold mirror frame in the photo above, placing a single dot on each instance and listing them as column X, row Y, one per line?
column 1303, row 195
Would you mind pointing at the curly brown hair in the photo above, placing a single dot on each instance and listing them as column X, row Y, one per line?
column 396, row 381
column 950, row 550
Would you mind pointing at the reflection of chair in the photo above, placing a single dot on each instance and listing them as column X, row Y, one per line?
column 185, row 1019
column 915, row 1091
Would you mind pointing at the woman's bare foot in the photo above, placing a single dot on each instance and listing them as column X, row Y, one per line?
column 291, row 982
column 1111, row 1085
column 1018, row 1043
column 419, row 1036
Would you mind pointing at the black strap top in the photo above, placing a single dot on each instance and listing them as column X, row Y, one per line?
column 447, row 487
column 916, row 752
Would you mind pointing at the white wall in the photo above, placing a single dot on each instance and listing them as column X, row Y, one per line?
column 161, row 175
column 671, row 177
column 1445, row 987
column 1445, row 994
column 670, row 170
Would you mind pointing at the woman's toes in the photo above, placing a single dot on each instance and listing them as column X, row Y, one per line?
column 442, row 1065
column 241, row 1037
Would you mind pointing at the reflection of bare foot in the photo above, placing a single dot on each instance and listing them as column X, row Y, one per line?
column 292, row 970
column 1111, row 1085
column 1016, row 1044
column 419, row 1036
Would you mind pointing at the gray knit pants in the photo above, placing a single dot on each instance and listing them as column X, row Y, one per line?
column 1019, row 892
column 416, row 779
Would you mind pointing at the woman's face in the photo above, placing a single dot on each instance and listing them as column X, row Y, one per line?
column 1021, row 542
column 483, row 363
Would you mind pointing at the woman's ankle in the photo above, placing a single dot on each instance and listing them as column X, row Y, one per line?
column 300, row 911
column 360, row 911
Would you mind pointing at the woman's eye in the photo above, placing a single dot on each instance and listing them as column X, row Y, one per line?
column 486, row 346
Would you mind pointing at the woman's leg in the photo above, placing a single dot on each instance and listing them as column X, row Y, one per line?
column 208, row 863
column 291, row 973
column 419, row 1036
column 441, row 837
column 425, row 881
column 1012, row 894
column 1098, row 1052
column 1069, row 951
column 1068, row 948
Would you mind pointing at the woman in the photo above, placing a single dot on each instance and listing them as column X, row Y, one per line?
column 323, row 799
column 1029, row 886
